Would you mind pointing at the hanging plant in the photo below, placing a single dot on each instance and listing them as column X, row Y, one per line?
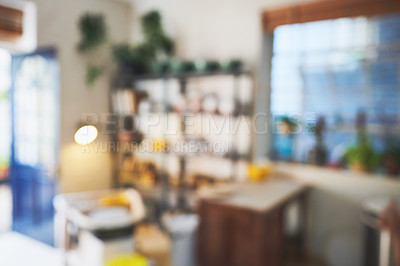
column 93, row 72
column 131, row 59
column 93, row 31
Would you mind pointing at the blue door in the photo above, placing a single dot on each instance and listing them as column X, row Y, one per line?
column 34, row 159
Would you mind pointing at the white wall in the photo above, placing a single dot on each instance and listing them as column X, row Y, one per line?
column 334, row 230
column 57, row 27
column 214, row 29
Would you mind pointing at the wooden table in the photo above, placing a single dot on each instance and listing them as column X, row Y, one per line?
column 242, row 224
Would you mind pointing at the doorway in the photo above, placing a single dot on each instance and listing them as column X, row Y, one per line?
column 32, row 165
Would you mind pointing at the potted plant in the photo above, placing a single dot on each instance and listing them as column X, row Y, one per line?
column 233, row 65
column 361, row 156
column 284, row 137
column 155, row 36
column 139, row 59
column 288, row 125
column 133, row 59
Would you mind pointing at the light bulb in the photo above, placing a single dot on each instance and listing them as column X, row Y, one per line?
column 86, row 134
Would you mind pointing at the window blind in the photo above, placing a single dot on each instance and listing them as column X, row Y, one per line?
column 323, row 10
column 11, row 24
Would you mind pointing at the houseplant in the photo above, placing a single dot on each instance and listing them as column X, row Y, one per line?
column 361, row 156
column 132, row 59
column 288, row 125
column 93, row 34
column 138, row 59
column 93, row 31
column 284, row 137
column 154, row 34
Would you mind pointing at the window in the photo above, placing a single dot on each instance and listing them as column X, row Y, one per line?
column 336, row 69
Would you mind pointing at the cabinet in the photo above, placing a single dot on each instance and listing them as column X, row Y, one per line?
column 246, row 228
column 239, row 237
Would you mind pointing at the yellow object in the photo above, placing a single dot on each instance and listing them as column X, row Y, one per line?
column 114, row 200
column 128, row 260
column 259, row 172
column 160, row 145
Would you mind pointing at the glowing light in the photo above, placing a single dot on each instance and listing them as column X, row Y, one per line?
column 86, row 134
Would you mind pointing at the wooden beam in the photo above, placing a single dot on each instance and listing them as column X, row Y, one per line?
column 323, row 10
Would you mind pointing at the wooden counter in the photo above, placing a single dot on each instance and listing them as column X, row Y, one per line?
column 260, row 197
column 242, row 224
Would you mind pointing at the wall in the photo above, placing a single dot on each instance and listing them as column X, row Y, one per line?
column 203, row 29
column 211, row 29
column 57, row 27
column 334, row 229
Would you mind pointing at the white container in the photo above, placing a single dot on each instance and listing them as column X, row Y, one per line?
column 182, row 229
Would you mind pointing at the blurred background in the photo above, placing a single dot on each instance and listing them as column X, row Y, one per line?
column 173, row 132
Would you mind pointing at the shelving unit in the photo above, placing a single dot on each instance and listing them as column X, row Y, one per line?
column 240, row 83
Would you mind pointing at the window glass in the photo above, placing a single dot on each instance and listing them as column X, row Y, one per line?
column 335, row 69
column 35, row 115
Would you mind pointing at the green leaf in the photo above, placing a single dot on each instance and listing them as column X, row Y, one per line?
column 93, row 72
column 122, row 53
column 93, row 31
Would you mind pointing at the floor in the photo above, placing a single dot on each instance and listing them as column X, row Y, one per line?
column 13, row 245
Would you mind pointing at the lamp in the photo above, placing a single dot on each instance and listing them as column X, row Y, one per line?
column 86, row 134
